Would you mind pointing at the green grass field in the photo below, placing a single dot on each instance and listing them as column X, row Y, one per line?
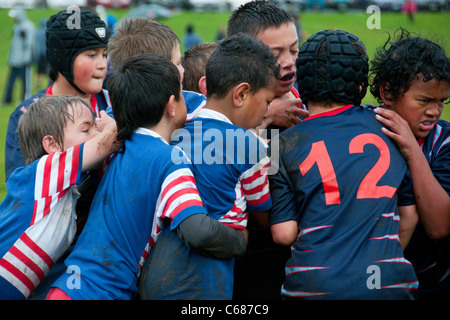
column 435, row 25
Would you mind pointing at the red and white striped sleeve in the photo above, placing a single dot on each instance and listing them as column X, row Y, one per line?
column 178, row 192
column 255, row 185
column 53, row 223
column 54, row 175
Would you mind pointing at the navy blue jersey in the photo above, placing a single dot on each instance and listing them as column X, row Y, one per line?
column 341, row 178
column 431, row 258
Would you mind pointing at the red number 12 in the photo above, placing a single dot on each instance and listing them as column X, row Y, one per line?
column 368, row 187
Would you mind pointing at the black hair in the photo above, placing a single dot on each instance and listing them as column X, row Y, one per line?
column 257, row 16
column 140, row 89
column 401, row 59
column 240, row 58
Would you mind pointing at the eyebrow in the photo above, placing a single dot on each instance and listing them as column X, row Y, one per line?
column 292, row 44
column 424, row 95
column 87, row 123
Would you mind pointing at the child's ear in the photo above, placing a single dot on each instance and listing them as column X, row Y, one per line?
column 202, row 85
column 170, row 107
column 50, row 145
column 385, row 95
column 240, row 94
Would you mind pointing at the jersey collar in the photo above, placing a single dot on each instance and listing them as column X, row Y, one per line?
column 330, row 113
column 151, row 133
column 212, row 114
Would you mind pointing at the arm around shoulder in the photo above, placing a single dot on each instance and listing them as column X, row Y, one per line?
column 212, row 238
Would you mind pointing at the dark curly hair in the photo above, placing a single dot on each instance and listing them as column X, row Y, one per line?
column 402, row 59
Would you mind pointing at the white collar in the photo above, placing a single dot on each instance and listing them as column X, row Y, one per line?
column 212, row 114
column 151, row 133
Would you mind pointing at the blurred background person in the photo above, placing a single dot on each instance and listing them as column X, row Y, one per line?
column 20, row 56
column 190, row 38
column 40, row 54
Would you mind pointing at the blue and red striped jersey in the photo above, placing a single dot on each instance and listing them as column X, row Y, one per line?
column 230, row 165
column 37, row 220
column 141, row 188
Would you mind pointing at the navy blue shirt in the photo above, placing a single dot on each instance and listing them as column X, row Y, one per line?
column 342, row 179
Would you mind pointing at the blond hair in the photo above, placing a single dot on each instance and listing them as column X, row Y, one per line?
column 46, row 116
column 136, row 36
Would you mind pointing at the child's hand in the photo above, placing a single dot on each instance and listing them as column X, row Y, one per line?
column 100, row 147
column 110, row 131
column 398, row 130
column 284, row 112
column 103, row 121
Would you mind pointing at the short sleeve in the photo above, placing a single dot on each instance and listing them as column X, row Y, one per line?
column 255, row 186
column 282, row 193
column 440, row 166
column 179, row 197
column 405, row 191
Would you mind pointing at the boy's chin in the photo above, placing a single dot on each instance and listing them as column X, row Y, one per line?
column 282, row 90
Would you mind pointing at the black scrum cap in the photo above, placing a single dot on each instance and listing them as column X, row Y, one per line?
column 336, row 72
column 68, row 34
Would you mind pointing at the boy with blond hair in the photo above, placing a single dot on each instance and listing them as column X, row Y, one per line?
column 59, row 142
column 143, row 191
column 142, row 35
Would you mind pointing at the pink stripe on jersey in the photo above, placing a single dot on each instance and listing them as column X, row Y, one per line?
column 257, row 188
column 48, row 202
column 33, row 218
column 238, row 224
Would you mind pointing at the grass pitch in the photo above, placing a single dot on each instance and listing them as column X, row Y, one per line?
column 434, row 25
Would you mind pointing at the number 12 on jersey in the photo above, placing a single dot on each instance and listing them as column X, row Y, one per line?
column 368, row 187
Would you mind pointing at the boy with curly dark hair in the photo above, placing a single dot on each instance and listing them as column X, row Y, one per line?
column 410, row 76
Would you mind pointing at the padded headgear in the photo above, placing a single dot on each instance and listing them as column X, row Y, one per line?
column 335, row 73
column 66, row 38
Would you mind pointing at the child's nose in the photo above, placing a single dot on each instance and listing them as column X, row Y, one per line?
column 102, row 64
column 286, row 60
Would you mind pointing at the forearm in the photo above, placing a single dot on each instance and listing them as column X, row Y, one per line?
column 100, row 147
column 432, row 201
column 284, row 233
column 408, row 222
column 211, row 238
